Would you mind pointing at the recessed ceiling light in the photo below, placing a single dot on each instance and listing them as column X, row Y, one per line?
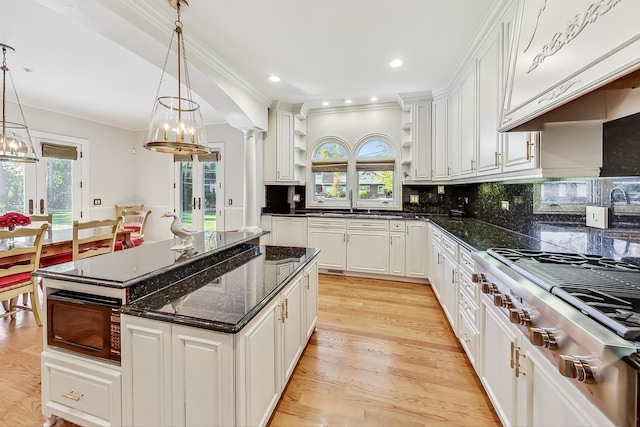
column 274, row 79
column 373, row 99
column 348, row 101
column 396, row 63
column 28, row 70
column 325, row 103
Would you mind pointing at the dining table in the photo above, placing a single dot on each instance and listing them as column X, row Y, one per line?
column 57, row 242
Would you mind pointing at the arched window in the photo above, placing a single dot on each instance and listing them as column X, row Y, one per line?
column 329, row 171
column 375, row 167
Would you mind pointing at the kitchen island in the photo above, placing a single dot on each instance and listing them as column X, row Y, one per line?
column 209, row 336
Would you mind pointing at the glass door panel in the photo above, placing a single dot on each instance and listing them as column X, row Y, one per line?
column 196, row 195
column 209, row 195
column 185, row 194
column 59, row 190
column 12, row 187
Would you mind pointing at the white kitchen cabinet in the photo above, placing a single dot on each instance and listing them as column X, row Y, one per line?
column 330, row 236
column 440, row 166
column 520, row 151
column 85, row 393
column 416, row 137
column 416, row 249
column 498, row 364
column 397, row 253
column 453, row 140
column 564, row 49
column 489, row 74
column 293, row 325
column 311, row 298
column 202, row 380
column 368, row 246
column 449, row 291
column 259, row 366
column 289, row 231
column 435, row 259
column 468, row 134
column 285, row 145
column 546, row 398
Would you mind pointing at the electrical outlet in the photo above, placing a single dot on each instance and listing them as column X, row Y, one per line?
column 440, row 189
column 296, row 197
column 505, row 205
column 597, row 216
column 97, row 202
column 414, row 198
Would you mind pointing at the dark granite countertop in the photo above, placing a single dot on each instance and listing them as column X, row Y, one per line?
column 225, row 296
column 151, row 266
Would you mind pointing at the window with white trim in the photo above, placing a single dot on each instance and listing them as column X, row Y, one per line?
column 363, row 178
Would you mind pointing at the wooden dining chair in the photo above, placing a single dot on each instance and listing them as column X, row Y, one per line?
column 19, row 260
column 130, row 207
column 135, row 220
column 36, row 219
column 93, row 238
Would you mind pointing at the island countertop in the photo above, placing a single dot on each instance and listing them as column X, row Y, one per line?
column 152, row 266
column 227, row 295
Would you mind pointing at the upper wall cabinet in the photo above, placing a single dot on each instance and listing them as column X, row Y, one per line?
column 564, row 49
column 285, row 145
column 416, row 138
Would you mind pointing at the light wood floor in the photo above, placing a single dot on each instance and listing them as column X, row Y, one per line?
column 383, row 355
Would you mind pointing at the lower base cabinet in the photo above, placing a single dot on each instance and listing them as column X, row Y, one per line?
column 175, row 375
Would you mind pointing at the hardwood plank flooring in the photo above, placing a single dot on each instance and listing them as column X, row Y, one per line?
column 383, row 355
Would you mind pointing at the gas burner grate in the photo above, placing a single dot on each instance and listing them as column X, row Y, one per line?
column 511, row 256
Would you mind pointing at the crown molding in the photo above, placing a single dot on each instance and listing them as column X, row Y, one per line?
column 354, row 108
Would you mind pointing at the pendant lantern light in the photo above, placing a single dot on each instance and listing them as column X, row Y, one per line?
column 176, row 125
column 16, row 144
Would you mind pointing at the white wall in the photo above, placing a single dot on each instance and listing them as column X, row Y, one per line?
column 353, row 123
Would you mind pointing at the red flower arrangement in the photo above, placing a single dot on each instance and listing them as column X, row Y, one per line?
column 11, row 220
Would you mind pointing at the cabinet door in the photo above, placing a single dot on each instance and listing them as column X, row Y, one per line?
column 489, row 69
column 202, row 377
column 146, row 372
column 259, row 359
column 439, row 141
column 435, row 270
column 468, row 123
column 311, row 298
column 519, row 151
column 422, row 141
column 332, row 245
column 496, row 374
column 397, row 254
column 293, row 337
column 289, row 231
column 449, row 291
column 548, row 399
column 368, row 251
column 416, row 254
column 453, row 151
column 285, row 147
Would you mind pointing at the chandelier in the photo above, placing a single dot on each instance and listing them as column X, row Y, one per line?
column 175, row 125
column 16, row 144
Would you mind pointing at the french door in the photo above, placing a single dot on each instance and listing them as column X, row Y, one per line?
column 198, row 190
column 52, row 185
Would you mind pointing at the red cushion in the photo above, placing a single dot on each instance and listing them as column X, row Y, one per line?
column 137, row 241
column 14, row 279
column 118, row 246
column 130, row 226
column 60, row 258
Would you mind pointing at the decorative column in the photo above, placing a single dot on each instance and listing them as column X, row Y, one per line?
column 251, row 211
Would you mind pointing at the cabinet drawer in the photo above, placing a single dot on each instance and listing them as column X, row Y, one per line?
column 468, row 287
column 466, row 262
column 397, row 225
column 450, row 247
column 333, row 223
column 72, row 386
column 368, row 224
column 436, row 234
column 468, row 306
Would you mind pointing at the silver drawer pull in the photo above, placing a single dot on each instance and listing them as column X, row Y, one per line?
column 70, row 395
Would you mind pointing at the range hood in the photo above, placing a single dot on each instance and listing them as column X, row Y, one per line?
column 615, row 105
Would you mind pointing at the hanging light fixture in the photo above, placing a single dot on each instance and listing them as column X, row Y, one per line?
column 175, row 125
column 16, row 144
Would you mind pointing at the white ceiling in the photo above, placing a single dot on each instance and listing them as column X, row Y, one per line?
column 81, row 51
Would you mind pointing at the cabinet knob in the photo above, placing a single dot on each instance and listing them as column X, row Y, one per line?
column 543, row 337
column 577, row 367
column 519, row 316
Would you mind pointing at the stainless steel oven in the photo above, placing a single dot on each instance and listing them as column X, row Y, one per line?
column 589, row 352
column 83, row 323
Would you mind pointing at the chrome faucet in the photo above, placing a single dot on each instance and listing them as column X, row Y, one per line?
column 625, row 194
column 350, row 200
